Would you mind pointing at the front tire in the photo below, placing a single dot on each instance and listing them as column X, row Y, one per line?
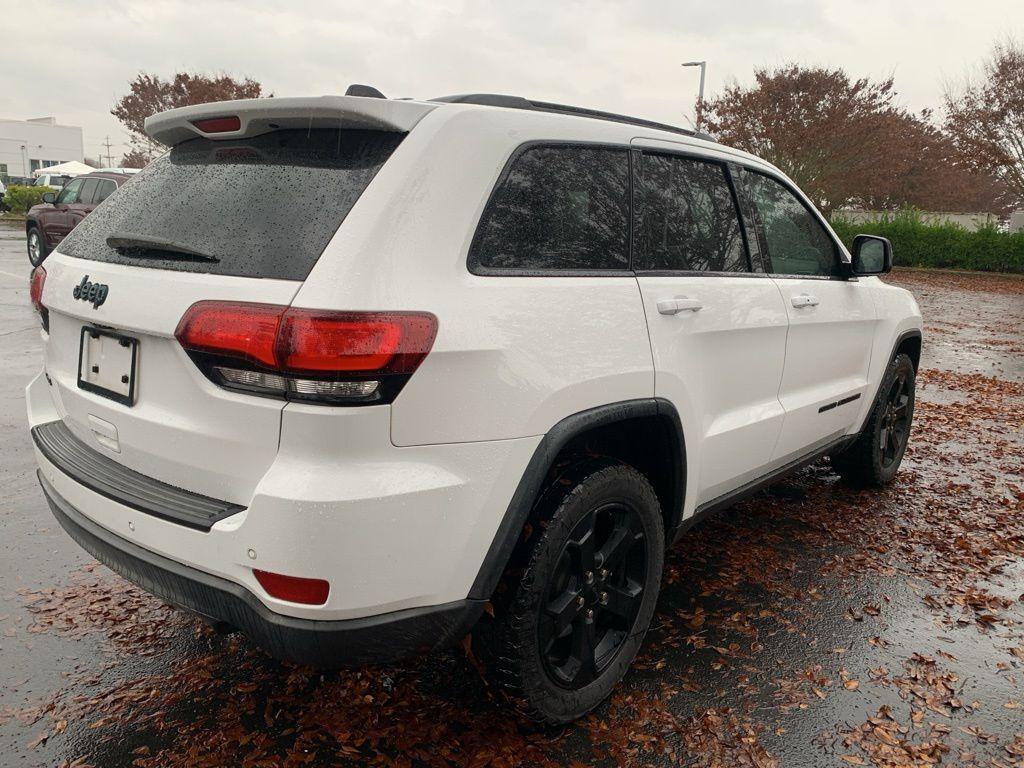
column 572, row 624
column 874, row 458
column 36, row 246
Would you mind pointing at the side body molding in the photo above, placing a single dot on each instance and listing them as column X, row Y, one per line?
column 540, row 464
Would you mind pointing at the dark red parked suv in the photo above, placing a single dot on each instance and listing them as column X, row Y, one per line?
column 48, row 223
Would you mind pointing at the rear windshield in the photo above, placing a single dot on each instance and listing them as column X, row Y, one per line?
column 260, row 207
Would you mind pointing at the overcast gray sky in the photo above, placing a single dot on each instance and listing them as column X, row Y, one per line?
column 73, row 60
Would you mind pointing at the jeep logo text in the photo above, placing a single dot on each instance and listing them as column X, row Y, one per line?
column 92, row 292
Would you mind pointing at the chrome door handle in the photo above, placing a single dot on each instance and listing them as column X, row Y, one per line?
column 679, row 304
column 805, row 300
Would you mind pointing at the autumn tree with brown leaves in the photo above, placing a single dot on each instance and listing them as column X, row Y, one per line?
column 986, row 118
column 149, row 94
column 848, row 142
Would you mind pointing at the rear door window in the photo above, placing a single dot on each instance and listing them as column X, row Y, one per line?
column 686, row 217
column 558, row 208
column 259, row 207
column 88, row 191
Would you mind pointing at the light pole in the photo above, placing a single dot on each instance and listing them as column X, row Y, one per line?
column 700, row 94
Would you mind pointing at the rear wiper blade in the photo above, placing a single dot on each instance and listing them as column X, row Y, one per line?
column 157, row 245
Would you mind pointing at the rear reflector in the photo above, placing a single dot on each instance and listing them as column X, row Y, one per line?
column 35, row 292
column 218, row 124
column 306, row 354
column 294, row 589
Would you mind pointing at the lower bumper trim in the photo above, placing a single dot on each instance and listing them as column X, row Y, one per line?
column 330, row 643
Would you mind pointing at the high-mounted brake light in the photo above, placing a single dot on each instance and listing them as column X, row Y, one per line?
column 218, row 124
column 35, row 292
column 356, row 358
column 294, row 589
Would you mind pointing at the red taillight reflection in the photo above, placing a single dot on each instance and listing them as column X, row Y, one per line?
column 218, row 124
column 35, row 292
column 35, row 289
column 294, row 589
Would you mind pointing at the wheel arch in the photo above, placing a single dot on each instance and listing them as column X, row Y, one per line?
column 613, row 430
column 908, row 341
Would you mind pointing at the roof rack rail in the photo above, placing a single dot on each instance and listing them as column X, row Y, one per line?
column 518, row 102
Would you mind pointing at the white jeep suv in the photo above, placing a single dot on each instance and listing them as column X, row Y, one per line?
column 340, row 372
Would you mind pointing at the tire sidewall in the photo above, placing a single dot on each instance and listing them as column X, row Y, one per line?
column 615, row 483
column 34, row 232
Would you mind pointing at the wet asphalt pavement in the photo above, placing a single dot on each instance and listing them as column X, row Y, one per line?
column 813, row 626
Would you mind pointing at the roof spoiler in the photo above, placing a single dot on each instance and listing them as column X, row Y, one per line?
column 252, row 117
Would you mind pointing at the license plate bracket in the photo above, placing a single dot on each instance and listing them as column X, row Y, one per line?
column 107, row 364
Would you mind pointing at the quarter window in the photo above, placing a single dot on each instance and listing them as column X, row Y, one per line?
column 686, row 217
column 561, row 208
column 797, row 242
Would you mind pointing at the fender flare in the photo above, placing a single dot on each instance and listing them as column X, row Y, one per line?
column 910, row 334
column 531, row 483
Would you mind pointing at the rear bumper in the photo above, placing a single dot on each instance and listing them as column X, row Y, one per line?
column 323, row 643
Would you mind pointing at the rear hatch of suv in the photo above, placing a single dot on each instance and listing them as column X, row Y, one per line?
column 239, row 211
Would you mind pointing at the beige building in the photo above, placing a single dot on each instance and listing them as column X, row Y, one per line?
column 28, row 145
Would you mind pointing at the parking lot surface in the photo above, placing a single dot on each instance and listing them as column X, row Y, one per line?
column 810, row 626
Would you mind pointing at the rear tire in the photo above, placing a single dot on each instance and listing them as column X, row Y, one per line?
column 569, row 624
column 36, row 245
column 874, row 458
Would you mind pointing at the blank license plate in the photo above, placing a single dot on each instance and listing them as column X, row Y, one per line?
column 107, row 363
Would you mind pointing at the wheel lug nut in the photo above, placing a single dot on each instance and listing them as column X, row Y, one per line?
column 589, row 577
column 604, row 574
column 590, row 613
column 604, row 598
column 580, row 601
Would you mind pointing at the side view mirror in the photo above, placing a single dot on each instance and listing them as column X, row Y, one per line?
column 50, row 197
column 872, row 255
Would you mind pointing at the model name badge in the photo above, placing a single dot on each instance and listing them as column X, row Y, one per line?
column 96, row 293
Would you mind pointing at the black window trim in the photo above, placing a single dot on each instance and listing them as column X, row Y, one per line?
column 476, row 268
column 843, row 275
column 736, row 197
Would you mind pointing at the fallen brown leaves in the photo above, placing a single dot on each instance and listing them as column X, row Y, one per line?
column 732, row 661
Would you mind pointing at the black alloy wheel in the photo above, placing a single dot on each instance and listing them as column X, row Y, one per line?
column 875, row 456
column 576, row 601
column 595, row 595
column 895, row 423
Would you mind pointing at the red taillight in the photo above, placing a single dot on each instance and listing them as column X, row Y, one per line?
column 35, row 292
column 218, row 124
column 294, row 589
column 245, row 331
column 306, row 354
column 369, row 342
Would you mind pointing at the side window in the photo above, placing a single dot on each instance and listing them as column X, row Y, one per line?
column 69, row 194
column 103, row 191
column 85, row 196
column 558, row 208
column 797, row 243
column 687, row 217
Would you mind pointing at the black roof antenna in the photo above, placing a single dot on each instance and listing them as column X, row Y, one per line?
column 364, row 90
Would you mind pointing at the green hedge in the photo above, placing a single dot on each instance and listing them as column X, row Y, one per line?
column 19, row 199
column 945, row 246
